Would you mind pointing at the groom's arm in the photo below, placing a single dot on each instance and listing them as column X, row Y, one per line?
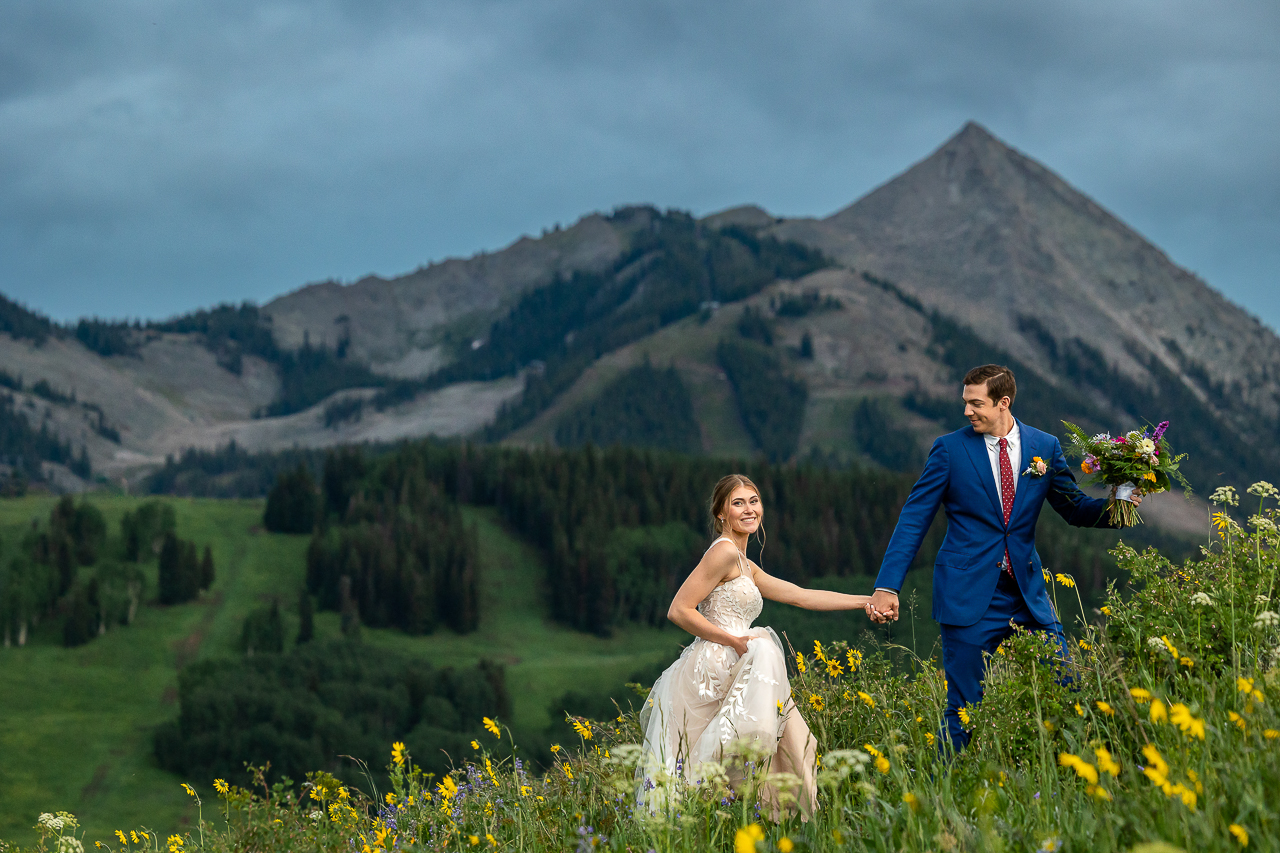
column 1075, row 507
column 916, row 517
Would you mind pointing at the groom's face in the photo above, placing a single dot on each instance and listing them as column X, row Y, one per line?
column 985, row 414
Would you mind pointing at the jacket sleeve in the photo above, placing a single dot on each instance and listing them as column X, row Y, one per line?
column 1075, row 507
column 916, row 516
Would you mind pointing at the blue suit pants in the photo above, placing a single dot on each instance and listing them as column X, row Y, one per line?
column 965, row 650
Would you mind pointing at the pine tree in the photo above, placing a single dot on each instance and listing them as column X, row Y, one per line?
column 292, row 504
column 306, row 617
column 206, row 568
column 170, row 569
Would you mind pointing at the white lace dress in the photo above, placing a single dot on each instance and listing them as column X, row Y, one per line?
column 711, row 705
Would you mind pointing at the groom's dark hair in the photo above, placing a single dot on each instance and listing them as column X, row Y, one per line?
column 999, row 379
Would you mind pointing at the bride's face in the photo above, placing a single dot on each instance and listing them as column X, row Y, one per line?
column 743, row 511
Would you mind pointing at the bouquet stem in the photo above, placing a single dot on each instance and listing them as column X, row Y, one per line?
column 1121, row 512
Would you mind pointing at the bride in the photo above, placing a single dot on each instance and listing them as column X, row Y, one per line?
column 727, row 697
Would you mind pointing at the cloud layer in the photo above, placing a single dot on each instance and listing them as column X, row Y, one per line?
column 155, row 157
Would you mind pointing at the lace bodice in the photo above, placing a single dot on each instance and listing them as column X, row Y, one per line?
column 735, row 604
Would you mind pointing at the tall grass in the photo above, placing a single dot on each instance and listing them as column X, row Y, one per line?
column 1161, row 728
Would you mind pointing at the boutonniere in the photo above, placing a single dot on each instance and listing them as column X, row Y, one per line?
column 1037, row 468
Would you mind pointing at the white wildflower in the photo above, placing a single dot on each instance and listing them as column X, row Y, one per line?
column 316, row 816
column 1263, row 523
column 1146, row 447
column 1202, row 599
column 1052, row 844
column 52, row 822
column 1156, row 643
column 1263, row 489
column 1225, row 495
column 1261, row 599
column 1266, row 619
column 839, row 763
column 69, row 844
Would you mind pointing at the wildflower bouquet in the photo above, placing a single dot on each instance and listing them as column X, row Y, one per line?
column 1138, row 461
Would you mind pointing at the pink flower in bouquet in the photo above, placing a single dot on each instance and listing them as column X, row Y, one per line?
column 1089, row 464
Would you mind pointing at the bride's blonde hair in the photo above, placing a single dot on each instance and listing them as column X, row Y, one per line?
column 720, row 496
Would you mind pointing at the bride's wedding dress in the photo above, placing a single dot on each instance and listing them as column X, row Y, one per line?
column 713, row 706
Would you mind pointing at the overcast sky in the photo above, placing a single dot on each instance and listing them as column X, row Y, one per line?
column 160, row 156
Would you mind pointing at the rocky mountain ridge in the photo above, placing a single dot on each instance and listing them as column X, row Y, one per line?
column 975, row 250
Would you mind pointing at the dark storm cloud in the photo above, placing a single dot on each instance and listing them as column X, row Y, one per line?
column 157, row 156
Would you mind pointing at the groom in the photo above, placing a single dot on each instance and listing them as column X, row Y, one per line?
column 992, row 478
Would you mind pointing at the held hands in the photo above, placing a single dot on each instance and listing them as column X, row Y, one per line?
column 883, row 607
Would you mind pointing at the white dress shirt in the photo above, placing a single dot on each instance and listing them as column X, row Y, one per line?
column 1015, row 456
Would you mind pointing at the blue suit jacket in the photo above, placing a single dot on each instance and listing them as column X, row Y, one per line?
column 958, row 477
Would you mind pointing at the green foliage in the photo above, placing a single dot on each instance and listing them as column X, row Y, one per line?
column 143, row 529
column 24, row 447
column 771, row 403
column 181, row 573
column 754, row 326
column 293, row 503
column 23, row 324
column 305, row 710
column 645, row 407
column 106, row 338
column 263, row 631
column 310, row 374
column 806, row 303
column 228, row 472
column 403, row 559
column 882, row 438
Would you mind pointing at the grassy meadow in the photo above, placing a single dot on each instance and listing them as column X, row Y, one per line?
column 76, row 724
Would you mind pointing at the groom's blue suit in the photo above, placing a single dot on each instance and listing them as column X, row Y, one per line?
column 973, row 599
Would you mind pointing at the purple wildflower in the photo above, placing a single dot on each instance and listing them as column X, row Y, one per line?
column 1164, row 425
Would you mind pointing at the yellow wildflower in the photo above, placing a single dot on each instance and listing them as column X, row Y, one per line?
column 397, row 753
column 1271, row 734
column 855, row 660
column 474, row 839
column 786, row 845
column 568, row 771
column 191, row 792
column 746, row 838
column 555, row 747
column 1180, row 716
column 817, row 651
column 1083, row 769
column 221, row 786
column 1048, row 578
column 583, row 729
column 1079, row 710
column 1098, row 792
column 1065, row 580
column 489, row 837
column 1106, row 611
column 866, row 697
column 447, row 789
column 1140, row 695
column 134, row 836
column 1158, row 711
column 1106, row 763
column 964, row 715
column 1245, row 685
column 1105, row 708
column 492, row 727
column 120, row 835
column 800, row 662
column 1048, row 725
column 882, row 764
column 871, row 749
column 475, row 744
column 1173, row 650
column 1084, row 645
column 911, row 800
column 1241, row 834
column 1155, row 760
column 816, row 701
column 834, row 669
column 1186, row 661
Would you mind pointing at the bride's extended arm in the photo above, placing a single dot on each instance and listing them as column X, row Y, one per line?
column 786, row 592
column 716, row 565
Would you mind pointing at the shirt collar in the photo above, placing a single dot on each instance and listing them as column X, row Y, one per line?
column 994, row 441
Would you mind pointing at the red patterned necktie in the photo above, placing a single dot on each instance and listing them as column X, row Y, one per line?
column 1006, row 495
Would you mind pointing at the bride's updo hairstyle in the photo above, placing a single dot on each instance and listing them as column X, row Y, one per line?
column 720, row 497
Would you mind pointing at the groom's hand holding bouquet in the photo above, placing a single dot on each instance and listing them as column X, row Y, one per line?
column 1137, row 462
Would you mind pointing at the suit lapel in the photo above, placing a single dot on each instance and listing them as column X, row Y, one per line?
column 976, row 445
column 1022, row 483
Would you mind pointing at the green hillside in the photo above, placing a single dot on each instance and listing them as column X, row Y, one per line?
column 76, row 724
